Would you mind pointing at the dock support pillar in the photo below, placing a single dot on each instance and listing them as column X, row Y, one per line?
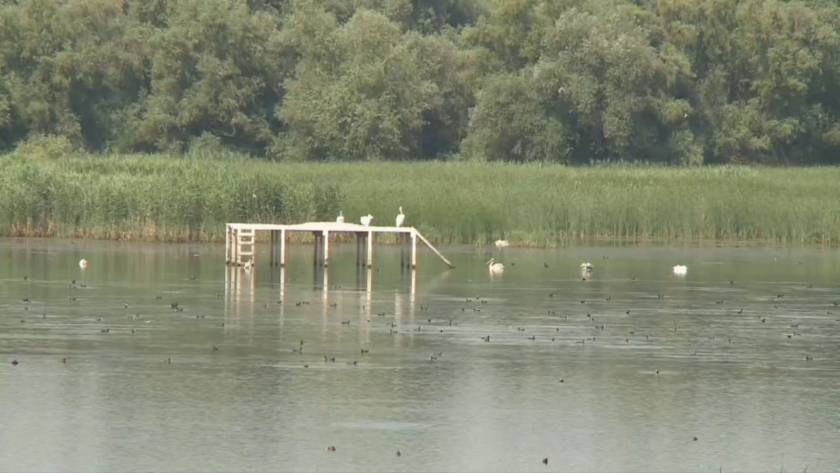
column 413, row 250
column 272, row 254
column 282, row 248
column 362, row 249
column 227, row 245
column 318, row 243
column 401, row 238
column 326, row 239
column 235, row 247
column 370, row 249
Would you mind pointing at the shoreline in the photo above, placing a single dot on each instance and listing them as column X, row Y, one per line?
column 598, row 242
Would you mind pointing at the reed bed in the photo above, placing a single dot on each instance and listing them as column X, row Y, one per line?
column 162, row 198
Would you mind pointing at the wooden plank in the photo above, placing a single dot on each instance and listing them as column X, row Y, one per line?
column 434, row 249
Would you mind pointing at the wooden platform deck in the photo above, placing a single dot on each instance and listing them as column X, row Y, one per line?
column 240, row 242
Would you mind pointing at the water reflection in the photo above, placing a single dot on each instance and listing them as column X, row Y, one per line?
column 445, row 398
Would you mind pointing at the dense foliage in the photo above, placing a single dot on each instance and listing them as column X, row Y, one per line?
column 567, row 81
column 179, row 198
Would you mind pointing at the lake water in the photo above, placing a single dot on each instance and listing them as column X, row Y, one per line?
column 730, row 339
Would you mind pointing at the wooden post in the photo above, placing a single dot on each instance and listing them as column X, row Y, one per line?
column 282, row 248
column 370, row 249
column 413, row 249
column 326, row 238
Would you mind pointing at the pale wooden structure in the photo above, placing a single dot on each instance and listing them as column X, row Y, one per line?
column 240, row 242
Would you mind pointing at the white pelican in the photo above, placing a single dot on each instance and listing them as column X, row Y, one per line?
column 83, row 263
column 495, row 268
column 366, row 219
column 501, row 243
column 586, row 267
column 340, row 218
column 400, row 218
column 680, row 270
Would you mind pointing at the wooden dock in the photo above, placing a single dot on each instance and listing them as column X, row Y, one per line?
column 241, row 241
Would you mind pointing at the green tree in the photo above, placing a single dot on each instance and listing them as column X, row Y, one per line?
column 363, row 90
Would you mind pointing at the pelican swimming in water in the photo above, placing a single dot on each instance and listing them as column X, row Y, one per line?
column 400, row 218
column 586, row 267
column 502, row 243
column 340, row 218
column 83, row 263
column 366, row 219
column 680, row 270
column 495, row 268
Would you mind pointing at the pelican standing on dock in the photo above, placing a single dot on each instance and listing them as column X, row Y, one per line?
column 366, row 219
column 495, row 268
column 400, row 218
column 340, row 218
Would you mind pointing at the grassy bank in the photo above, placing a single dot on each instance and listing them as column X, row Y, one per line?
column 176, row 199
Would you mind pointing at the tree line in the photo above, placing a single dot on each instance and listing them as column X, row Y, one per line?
column 685, row 82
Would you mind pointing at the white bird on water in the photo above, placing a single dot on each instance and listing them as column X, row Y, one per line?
column 400, row 218
column 495, row 268
column 680, row 270
column 83, row 263
column 366, row 219
column 340, row 218
column 586, row 267
column 501, row 243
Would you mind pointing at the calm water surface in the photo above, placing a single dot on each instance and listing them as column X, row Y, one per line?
column 730, row 341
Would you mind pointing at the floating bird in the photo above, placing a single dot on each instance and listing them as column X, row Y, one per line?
column 587, row 267
column 366, row 219
column 83, row 263
column 340, row 218
column 495, row 268
column 502, row 243
column 680, row 270
column 400, row 218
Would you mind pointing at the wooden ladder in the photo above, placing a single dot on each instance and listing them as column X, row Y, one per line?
column 245, row 238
